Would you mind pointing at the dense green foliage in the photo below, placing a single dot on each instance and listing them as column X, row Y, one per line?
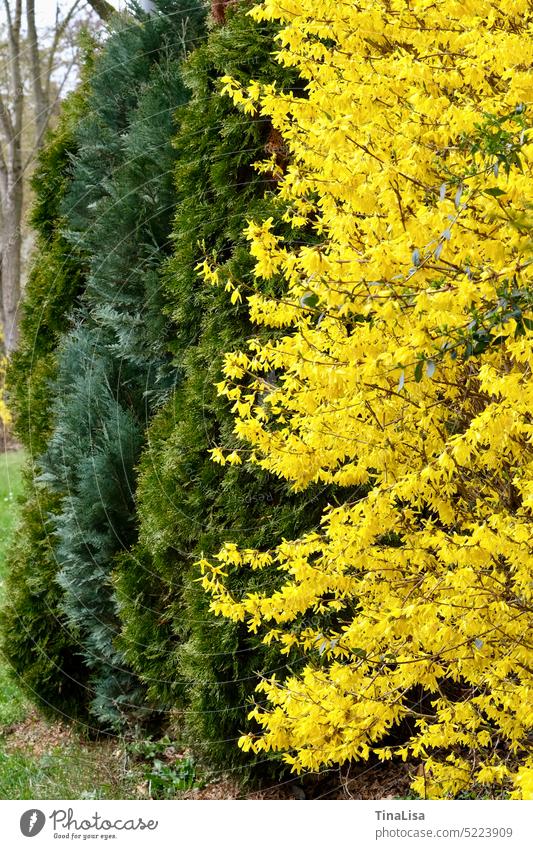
column 41, row 760
column 36, row 640
column 56, row 278
column 91, row 360
column 122, row 362
column 187, row 505
column 112, row 364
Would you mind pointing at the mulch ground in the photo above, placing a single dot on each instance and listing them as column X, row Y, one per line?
column 378, row 781
column 7, row 440
column 35, row 736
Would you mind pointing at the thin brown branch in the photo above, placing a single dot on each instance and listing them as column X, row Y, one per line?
column 59, row 32
column 103, row 9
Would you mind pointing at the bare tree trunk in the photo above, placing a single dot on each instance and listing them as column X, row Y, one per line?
column 12, row 169
column 218, row 10
column 11, row 261
column 11, row 195
column 40, row 101
column 11, row 184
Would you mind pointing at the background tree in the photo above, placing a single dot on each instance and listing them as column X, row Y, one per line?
column 34, row 73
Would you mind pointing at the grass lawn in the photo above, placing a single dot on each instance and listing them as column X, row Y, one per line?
column 10, row 486
column 13, row 706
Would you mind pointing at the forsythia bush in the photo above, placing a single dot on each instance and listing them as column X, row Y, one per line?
column 404, row 365
column 4, row 412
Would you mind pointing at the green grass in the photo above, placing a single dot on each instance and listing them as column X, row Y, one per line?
column 11, row 464
column 68, row 772
column 13, row 706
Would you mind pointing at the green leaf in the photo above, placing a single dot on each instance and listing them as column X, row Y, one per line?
column 359, row 653
column 310, row 299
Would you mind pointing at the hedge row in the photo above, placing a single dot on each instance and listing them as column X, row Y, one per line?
column 149, row 173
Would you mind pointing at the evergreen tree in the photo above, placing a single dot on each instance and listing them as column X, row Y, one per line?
column 187, row 504
column 36, row 640
column 112, row 363
column 56, row 279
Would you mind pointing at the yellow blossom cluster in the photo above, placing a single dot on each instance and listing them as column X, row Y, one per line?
column 5, row 416
column 402, row 368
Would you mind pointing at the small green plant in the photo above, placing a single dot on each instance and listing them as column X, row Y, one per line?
column 165, row 780
column 166, row 769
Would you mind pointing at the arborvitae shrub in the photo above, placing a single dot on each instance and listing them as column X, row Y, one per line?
column 186, row 503
column 56, row 278
column 92, row 453
column 113, row 365
column 82, row 412
column 36, row 639
column 40, row 647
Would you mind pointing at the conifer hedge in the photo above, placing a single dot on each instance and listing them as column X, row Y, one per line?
column 186, row 504
column 120, row 366
column 113, row 364
column 36, row 639
column 93, row 363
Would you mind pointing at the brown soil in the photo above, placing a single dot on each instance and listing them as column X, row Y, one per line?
column 380, row 781
column 35, row 736
column 7, row 440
